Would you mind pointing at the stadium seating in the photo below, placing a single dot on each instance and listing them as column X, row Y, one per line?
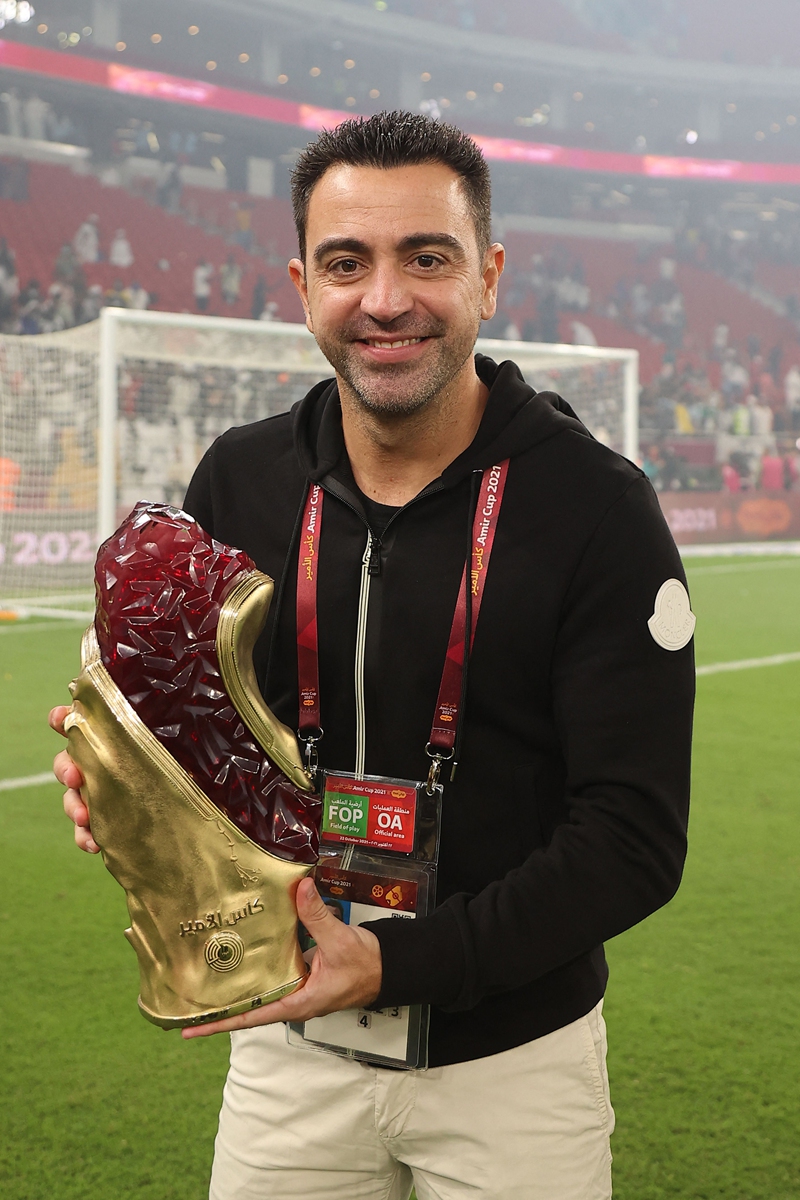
column 259, row 232
column 59, row 200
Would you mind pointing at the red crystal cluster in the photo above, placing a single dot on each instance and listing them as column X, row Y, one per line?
column 161, row 581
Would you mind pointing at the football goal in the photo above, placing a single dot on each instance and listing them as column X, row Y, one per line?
column 95, row 418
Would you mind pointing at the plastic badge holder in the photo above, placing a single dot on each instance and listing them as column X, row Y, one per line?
column 377, row 860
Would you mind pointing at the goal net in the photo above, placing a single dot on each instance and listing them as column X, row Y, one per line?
column 96, row 418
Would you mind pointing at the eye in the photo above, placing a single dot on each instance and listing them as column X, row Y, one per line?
column 345, row 266
column 426, row 261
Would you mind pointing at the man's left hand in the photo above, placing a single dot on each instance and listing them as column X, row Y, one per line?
column 346, row 971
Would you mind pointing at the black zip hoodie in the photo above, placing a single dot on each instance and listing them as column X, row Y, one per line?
column 566, row 823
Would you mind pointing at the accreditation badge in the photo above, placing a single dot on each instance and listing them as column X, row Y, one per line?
column 378, row 853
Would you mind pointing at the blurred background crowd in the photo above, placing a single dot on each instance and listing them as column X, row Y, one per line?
column 643, row 154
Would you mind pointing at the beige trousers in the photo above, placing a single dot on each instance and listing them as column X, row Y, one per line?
column 532, row 1123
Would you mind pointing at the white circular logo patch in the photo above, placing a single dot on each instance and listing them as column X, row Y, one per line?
column 672, row 623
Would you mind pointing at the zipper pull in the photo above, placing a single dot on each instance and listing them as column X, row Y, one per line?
column 374, row 565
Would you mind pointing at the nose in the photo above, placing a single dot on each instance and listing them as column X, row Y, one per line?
column 387, row 294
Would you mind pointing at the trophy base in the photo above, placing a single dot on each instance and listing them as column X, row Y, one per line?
column 219, row 1014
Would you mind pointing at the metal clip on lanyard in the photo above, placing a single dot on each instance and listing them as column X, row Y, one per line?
column 309, row 728
column 442, row 744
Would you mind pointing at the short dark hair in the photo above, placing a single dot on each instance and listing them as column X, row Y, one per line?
column 395, row 139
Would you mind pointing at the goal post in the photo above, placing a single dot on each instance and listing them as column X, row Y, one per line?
column 600, row 383
column 95, row 418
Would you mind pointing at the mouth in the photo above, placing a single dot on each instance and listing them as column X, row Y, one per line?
column 382, row 344
column 389, row 351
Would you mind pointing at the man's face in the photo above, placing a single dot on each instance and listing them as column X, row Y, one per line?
column 394, row 287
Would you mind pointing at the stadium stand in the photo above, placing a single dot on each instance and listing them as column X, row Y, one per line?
column 59, row 201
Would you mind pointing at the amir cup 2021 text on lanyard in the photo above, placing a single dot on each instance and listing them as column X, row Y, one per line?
column 442, row 744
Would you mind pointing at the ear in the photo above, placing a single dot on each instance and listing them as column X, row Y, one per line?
column 493, row 263
column 297, row 274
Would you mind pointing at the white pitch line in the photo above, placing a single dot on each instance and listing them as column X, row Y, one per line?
column 744, row 664
column 735, row 568
column 10, row 785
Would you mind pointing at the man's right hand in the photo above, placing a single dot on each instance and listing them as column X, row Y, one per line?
column 67, row 773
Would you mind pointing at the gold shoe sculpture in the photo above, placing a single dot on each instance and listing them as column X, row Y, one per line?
column 196, row 793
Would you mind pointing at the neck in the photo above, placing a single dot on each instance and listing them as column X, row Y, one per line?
column 394, row 457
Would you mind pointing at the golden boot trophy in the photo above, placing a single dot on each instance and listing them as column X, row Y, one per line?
column 196, row 793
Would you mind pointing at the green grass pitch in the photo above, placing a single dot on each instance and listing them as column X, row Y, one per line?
column 702, row 1005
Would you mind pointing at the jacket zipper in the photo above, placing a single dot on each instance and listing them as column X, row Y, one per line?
column 361, row 645
column 370, row 565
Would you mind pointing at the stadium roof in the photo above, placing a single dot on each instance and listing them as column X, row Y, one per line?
column 379, row 29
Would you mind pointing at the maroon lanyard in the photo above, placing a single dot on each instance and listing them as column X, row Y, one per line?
column 441, row 746
column 309, row 726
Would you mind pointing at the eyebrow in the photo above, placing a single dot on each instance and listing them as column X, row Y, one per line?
column 415, row 241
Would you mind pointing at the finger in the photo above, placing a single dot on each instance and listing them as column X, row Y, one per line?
column 270, row 1014
column 56, row 717
column 66, row 771
column 78, row 813
column 75, row 808
column 85, row 841
column 315, row 915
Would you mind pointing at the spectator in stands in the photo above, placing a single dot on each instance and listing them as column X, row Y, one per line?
column 120, row 255
column 271, row 312
column 740, row 419
column 259, row 300
column 8, row 261
column 91, row 304
column 683, row 420
column 230, row 281
column 731, row 479
column 582, row 335
column 86, row 242
column 201, row 284
column 62, row 128
column 791, row 391
column 12, row 109
column 9, row 281
column 67, row 268
column 653, row 466
column 761, row 417
column 168, row 194
column 793, row 466
column 136, row 296
column 36, row 112
column 734, row 376
column 115, row 296
column 719, row 341
column 771, row 472
column 55, row 310
column 29, row 307
column 244, row 221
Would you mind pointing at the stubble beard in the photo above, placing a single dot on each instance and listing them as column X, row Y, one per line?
column 400, row 390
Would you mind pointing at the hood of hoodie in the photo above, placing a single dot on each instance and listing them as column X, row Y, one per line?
column 516, row 418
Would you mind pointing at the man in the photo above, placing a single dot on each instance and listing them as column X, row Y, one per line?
column 565, row 822
column 230, row 280
column 201, row 284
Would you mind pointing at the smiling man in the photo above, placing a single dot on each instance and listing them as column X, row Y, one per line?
column 570, row 714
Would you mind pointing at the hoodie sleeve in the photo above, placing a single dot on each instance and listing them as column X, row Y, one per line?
column 623, row 711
